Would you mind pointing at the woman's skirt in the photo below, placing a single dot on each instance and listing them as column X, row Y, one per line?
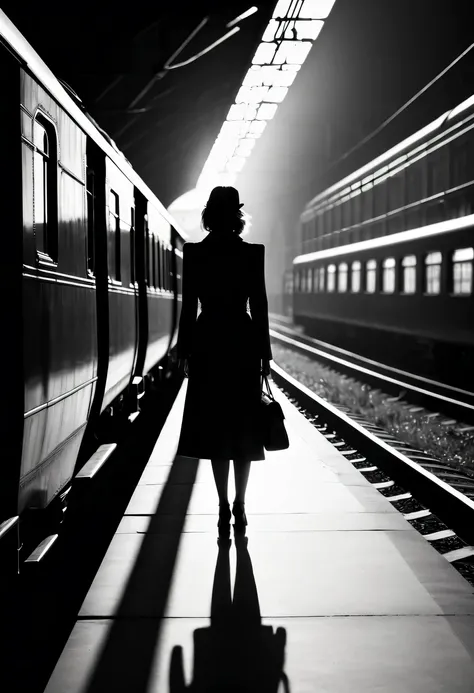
column 221, row 411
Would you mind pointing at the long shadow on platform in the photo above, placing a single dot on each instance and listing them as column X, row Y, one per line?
column 125, row 662
column 236, row 653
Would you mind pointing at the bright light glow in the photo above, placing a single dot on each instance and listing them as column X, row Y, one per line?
column 307, row 29
column 267, row 111
column 317, row 9
column 276, row 94
column 242, row 112
column 292, row 52
column 251, row 94
column 242, row 16
column 236, row 164
column 462, row 107
column 257, row 127
column 264, row 54
column 463, row 255
column 271, row 30
column 284, row 47
column 245, row 147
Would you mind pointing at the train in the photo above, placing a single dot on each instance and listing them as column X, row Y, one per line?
column 91, row 269
column 385, row 263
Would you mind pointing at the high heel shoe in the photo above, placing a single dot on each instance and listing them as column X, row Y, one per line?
column 238, row 511
column 224, row 516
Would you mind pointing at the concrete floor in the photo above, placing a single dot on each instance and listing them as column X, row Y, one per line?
column 331, row 591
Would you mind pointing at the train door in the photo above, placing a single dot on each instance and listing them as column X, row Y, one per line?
column 140, row 269
column 97, row 269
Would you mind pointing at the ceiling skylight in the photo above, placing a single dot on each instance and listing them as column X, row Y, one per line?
column 284, row 47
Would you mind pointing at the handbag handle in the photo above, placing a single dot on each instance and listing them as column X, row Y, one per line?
column 265, row 380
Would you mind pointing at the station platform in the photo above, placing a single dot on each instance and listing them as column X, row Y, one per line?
column 332, row 590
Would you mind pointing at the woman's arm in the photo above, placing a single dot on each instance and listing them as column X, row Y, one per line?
column 259, row 305
column 189, row 305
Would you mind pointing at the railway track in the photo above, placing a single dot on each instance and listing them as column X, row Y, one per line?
column 455, row 403
column 429, row 493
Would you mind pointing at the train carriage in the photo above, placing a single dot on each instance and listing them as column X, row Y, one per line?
column 91, row 267
column 386, row 262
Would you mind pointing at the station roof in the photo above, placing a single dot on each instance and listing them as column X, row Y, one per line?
column 110, row 54
column 369, row 60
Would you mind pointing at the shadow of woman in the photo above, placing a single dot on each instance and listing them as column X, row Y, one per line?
column 236, row 654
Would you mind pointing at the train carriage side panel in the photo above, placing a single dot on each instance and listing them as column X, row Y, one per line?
column 441, row 317
column 59, row 307
column 159, row 286
column 122, row 293
column 11, row 419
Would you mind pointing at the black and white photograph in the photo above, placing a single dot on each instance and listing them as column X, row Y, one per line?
column 237, row 417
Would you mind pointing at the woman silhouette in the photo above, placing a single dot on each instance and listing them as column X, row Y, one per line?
column 225, row 350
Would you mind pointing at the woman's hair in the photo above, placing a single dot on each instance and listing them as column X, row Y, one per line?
column 215, row 218
column 223, row 211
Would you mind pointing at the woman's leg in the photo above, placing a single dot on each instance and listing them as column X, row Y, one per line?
column 220, row 469
column 241, row 475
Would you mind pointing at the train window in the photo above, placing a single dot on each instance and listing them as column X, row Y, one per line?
column 337, row 225
column 153, row 258
column 90, row 194
column 315, row 278
column 437, row 170
column 159, row 269
column 415, row 177
column 355, row 276
column 304, row 232
column 167, row 269
column 380, row 198
column 396, row 190
column 388, row 275
column 114, row 236
column 170, row 269
column 342, row 277
column 346, row 213
column 45, row 189
column 303, row 281
column 356, row 202
column 164, row 259
column 320, row 224
column 331, row 283
column 462, row 271
column 371, row 276
column 132, row 245
column 322, row 278
column 459, row 165
column 147, row 251
column 433, row 273
column 309, row 286
column 367, row 202
column 409, row 274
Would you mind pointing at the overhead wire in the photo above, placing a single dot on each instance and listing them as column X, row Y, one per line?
column 410, row 101
column 167, row 67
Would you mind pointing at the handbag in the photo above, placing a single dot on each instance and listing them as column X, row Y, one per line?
column 273, row 429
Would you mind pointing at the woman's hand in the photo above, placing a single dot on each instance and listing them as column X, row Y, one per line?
column 266, row 367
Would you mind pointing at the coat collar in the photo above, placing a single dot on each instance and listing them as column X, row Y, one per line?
column 221, row 238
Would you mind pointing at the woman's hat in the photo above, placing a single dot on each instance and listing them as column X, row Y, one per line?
column 224, row 196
